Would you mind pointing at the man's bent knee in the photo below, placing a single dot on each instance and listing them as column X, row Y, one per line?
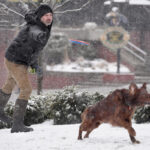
column 25, row 93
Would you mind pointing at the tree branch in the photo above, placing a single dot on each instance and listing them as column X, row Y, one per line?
column 24, row 5
column 11, row 10
column 74, row 10
column 64, row 3
column 3, row 11
column 33, row 3
column 52, row 2
column 147, row 9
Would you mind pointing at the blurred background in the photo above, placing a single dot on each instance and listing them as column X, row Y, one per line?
column 75, row 54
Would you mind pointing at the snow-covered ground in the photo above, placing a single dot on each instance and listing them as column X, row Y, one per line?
column 64, row 137
column 82, row 65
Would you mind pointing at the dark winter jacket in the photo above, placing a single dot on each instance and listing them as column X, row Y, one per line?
column 31, row 39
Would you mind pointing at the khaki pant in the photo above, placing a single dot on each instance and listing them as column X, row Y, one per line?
column 17, row 75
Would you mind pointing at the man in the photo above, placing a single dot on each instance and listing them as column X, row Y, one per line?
column 21, row 54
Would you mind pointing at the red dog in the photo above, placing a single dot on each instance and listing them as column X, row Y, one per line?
column 116, row 109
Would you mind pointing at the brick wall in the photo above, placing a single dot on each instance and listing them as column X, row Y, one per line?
column 54, row 80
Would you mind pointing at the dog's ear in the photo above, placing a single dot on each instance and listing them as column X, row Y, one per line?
column 144, row 86
column 133, row 88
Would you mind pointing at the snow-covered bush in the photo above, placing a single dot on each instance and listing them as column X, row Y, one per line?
column 67, row 106
column 35, row 113
column 64, row 107
column 36, row 109
column 90, row 25
column 9, row 111
column 142, row 114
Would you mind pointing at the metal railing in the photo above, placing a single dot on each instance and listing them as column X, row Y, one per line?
column 136, row 51
column 137, row 48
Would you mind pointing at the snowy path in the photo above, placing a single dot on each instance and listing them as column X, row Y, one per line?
column 64, row 137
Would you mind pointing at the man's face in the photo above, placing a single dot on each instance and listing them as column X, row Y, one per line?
column 47, row 19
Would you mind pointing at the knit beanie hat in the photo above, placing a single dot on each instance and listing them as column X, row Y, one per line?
column 42, row 10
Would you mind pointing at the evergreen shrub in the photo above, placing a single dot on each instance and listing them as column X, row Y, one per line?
column 67, row 106
column 64, row 107
column 142, row 114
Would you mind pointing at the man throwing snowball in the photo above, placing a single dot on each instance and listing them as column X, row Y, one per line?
column 21, row 54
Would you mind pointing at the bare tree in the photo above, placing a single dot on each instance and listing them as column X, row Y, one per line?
column 6, row 9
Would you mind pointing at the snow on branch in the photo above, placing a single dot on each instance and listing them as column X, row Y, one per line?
column 11, row 10
column 24, row 5
column 147, row 9
column 3, row 11
column 34, row 4
column 55, row 4
column 62, row 4
column 73, row 10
